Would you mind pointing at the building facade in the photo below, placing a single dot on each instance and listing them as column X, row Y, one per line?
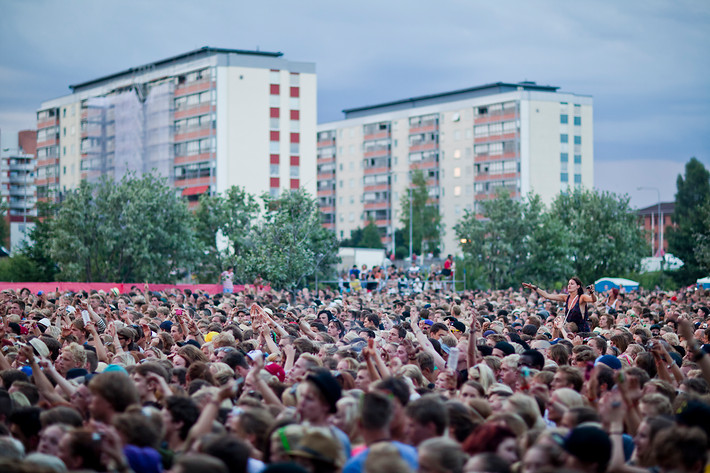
column 657, row 235
column 205, row 120
column 17, row 186
column 469, row 143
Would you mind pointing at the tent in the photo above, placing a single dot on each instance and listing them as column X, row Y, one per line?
column 704, row 282
column 606, row 284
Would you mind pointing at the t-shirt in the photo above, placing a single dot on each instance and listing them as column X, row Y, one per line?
column 408, row 453
column 227, row 279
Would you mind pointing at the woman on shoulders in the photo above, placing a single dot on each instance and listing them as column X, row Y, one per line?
column 576, row 308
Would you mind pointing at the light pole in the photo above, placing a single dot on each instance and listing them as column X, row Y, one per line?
column 660, row 223
column 463, row 260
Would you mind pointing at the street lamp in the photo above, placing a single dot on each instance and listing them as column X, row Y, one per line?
column 463, row 260
column 660, row 223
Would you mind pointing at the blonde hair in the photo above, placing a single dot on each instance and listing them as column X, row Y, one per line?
column 568, row 397
column 485, row 375
column 124, row 359
column 224, row 339
column 526, row 407
column 412, row 372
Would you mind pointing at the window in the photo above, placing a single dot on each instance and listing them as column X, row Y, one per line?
column 295, row 78
column 295, row 171
column 457, row 154
column 577, row 178
column 578, row 140
column 295, row 148
column 294, row 103
column 577, row 121
column 564, row 177
column 275, row 77
column 273, row 123
column 274, row 147
column 564, row 138
column 564, row 157
column 274, row 170
column 457, row 135
column 457, row 191
column 564, row 119
column 457, row 172
column 577, row 159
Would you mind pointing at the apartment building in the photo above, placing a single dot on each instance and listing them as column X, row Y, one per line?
column 205, row 120
column 469, row 143
column 17, row 186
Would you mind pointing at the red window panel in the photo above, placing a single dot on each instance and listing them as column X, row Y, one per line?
column 295, row 184
column 275, row 159
column 295, row 160
column 275, row 112
column 295, row 114
column 275, row 70
column 295, row 137
column 274, row 182
column 295, row 92
column 274, row 136
column 275, row 89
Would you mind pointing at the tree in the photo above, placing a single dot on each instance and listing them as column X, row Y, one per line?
column 289, row 244
column 702, row 246
column 606, row 239
column 692, row 193
column 426, row 220
column 134, row 230
column 514, row 241
column 369, row 237
column 223, row 223
column 36, row 249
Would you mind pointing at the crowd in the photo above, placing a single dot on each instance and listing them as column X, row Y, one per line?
column 521, row 380
column 399, row 281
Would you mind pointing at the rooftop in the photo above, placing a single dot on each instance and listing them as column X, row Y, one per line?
column 422, row 100
column 195, row 54
column 667, row 208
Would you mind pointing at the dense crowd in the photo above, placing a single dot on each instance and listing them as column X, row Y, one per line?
column 433, row 381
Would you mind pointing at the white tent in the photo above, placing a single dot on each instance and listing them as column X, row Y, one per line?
column 704, row 282
column 606, row 284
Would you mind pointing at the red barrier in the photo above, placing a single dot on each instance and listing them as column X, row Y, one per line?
column 123, row 288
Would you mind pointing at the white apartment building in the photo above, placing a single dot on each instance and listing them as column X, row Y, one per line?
column 524, row 137
column 17, row 188
column 205, row 120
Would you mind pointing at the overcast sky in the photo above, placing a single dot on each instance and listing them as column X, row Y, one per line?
column 646, row 63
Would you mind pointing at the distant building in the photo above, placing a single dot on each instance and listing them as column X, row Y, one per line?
column 17, row 186
column 205, row 120
column 649, row 220
column 522, row 137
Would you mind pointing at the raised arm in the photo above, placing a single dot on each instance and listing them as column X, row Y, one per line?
column 546, row 295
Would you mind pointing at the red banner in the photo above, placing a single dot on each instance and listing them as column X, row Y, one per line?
column 35, row 287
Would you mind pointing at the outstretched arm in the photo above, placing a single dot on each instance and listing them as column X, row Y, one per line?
column 546, row 295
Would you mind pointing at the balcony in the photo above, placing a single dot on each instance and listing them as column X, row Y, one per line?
column 376, row 170
column 186, row 135
column 377, row 152
column 194, row 87
column 423, row 128
column 498, row 137
column 327, row 209
column 193, row 182
column 375, row 187
column 380, row 205
column 48, row 122
column 493, row 195
column 194, row 110
column 379, row 135
column 483, row 177
column 486, row 158
column 326, row 192
column 426, row 146
column 496, row 117
column 429, row 164
column 326, row 143
column 324, row 176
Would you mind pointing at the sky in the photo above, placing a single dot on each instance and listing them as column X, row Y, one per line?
column 646, row 63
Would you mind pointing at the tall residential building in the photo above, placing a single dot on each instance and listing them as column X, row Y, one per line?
column 17, row 186
column 469, row 143
column 205, row 120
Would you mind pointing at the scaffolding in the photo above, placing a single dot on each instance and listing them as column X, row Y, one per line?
column 130, row 131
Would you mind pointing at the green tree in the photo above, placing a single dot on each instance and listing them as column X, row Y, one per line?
column 426, row 219
column 606, row 239
column 369, row 237
column 36, row 249
column 223, row 225
column 289, row 244
column 692, row 193
column 134, row 230
column 702, row 246
column 514, row 241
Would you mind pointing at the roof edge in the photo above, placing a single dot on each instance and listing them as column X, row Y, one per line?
column 161, row 62
column 526, row 85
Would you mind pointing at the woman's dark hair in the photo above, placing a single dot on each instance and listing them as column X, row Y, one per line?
column 579, row 282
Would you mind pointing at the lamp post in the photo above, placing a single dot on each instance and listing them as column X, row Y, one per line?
column 660, row 223
column 463, row 260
